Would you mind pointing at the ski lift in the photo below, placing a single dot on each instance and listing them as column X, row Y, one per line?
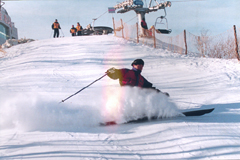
column 162, row 20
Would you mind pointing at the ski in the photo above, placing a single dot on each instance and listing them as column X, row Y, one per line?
column 198, row 112
column 144, row 119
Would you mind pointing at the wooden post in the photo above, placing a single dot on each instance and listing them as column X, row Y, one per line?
column 236, row 42
column 137, row 33
column 122, row 28
column 114, row 27
column 185, row 40
column 154, row 37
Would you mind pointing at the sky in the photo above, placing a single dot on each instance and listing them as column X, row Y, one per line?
column 34, row 18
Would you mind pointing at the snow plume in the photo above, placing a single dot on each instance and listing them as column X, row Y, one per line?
column 130, row 103
column 33, row 111
column 29, row 112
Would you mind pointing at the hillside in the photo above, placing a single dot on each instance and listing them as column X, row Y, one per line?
column 36, row 76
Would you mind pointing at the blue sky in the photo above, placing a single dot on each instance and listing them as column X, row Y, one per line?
column 34, row 18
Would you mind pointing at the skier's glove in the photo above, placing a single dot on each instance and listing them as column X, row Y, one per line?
column 113, row 73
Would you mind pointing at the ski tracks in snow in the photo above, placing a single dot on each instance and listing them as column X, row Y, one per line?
column 100, row 146
column 113, row 145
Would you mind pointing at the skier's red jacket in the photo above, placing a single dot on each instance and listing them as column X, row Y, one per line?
column 130, row 78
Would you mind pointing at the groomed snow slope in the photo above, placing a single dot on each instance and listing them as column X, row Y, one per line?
column 35, row 77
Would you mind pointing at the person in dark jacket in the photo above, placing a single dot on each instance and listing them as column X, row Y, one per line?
column 56, row 27
column 144, row 24
column 132, row 77
column 144, row 27
column 73, row 30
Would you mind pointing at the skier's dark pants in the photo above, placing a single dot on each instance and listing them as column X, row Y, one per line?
column 56, row 33
column 79, row 33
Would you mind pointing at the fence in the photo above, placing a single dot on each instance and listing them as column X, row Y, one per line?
column 224, row 45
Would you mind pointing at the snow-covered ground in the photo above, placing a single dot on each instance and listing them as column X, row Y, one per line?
column 36, row 76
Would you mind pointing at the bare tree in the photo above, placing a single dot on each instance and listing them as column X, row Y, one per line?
column 203, row 42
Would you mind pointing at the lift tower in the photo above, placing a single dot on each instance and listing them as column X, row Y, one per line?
column 137, row 6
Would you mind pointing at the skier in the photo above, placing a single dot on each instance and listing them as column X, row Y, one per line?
column 79, row 29
column 132, row 77
column 73, row 30
column 56, row 27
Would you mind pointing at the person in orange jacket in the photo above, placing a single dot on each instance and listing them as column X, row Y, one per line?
column 79, row 29
column 73, row 30
column 56, row 27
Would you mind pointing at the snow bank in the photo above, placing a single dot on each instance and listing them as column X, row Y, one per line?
column 12, row 42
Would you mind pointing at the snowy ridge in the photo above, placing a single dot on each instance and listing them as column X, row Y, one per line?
column 36, row 76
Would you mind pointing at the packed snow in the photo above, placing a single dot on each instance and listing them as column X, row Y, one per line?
column 35, row 124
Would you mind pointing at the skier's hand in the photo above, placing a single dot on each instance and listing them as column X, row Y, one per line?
column 111, row 71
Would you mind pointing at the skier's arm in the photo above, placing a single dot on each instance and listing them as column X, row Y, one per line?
column 157, row 90
column 150, row 86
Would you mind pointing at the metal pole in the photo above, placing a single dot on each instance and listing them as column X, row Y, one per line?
column 185, row 40
column 83, row 88
column 154, row 37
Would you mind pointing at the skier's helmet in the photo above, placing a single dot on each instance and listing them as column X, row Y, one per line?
column 138, row 61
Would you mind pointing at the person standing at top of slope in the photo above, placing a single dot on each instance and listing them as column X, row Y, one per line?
column 56, row 27
column 79, row 29
column 73, row 30
column 132, row 77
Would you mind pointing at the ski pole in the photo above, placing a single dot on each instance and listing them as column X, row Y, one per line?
column 83, row 88
column 62, row 32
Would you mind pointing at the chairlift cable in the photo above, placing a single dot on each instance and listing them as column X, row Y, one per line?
column 131, row 19
column 100, row 16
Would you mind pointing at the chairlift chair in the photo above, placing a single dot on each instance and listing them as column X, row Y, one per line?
column 162, row 20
